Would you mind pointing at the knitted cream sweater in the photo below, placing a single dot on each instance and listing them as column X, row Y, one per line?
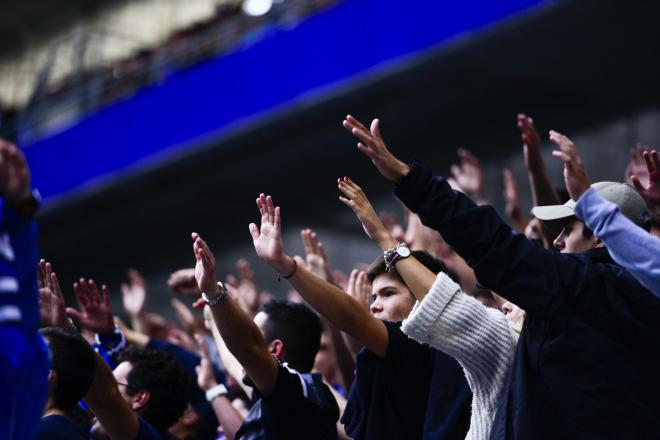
column 478, row 337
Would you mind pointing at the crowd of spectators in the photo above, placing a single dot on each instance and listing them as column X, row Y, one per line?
column 467, row 326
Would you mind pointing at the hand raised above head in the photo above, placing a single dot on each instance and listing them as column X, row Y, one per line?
column 372, row 145
column 315, row 256
column 651, row 192
column 51, row 301
column 468, row 175
column 204, row 267
column 531, row 141
column 267, row 239
column 183, row 282
column 358, row 202
column 575, row 176
column 359, row 287
column 134, row 293
column 96, row 313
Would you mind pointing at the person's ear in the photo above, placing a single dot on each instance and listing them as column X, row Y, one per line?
column 598, row 243
column 140, row 400
column 276, row 348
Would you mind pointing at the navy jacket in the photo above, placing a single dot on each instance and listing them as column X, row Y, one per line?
column 587, row 364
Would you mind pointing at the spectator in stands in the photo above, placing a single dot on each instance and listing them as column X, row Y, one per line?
column 584, row 364
column 389, row 396
column 481, row 339
column 148, row 391
column 629, row 245
column 71, row 372
column 23, row 354
column 277, row 351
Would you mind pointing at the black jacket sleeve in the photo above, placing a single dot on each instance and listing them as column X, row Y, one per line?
column 516, row 268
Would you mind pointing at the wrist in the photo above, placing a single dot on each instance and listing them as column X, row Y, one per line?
column 208, row 385
column 284, row 265
column 402, row 171
column 385, row 241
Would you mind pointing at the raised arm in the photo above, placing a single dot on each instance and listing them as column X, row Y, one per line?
column 650, row 192
column 417, row 277
column 227, row 415
column 629, row 245
column 103, row 397
column 240, row 333
column 340, row 309
column 106, row 402
column 542, row 191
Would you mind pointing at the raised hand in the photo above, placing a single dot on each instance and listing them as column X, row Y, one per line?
column 205, row 377
column 651, row 192
column 358, row 202
column 531, row 142
column 267, row 240
column 247, row 287
column 468, row 175
column 204, row 267
column 96, row 314
column 315, row 256
column 134, row 293
column 372, row 145
column 15, row 184
column 183, row 282
column 359, row 287
column 52, row 308
column 637, row 165
column 574, row 175
column 512, row 201
column 185, row 316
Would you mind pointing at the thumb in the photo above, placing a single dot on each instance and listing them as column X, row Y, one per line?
column 254, row 231
column 75, row 314
column 637, row 183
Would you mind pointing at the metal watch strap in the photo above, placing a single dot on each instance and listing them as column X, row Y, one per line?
column 391, row 256
column 212, row 302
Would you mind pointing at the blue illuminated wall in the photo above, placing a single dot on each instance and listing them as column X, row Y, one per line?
column 333, row 47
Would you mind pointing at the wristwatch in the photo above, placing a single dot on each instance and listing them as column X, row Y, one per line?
column 212, row 302
column 215, row 392
column 394, row 254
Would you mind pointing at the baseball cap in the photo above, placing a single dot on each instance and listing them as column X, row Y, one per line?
column 630, row 203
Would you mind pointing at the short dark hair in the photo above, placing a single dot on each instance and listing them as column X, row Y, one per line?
column 298, row 327
column 74, row 364
column 163, row 377
column 436, row 266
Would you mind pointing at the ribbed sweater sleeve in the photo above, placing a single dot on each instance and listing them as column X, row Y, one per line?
column 478, row 337
column 628, row 244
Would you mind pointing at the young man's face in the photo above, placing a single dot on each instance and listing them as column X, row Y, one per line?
column 391, row 299
column 571, row 240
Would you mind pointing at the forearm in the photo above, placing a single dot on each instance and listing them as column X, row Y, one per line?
column 629, row 245
column 108, row 405
column 340, row 309
column 345, row 357
column 543, row 193
column 229, row 362
column 227, row 415
column 485, row 241
column 240, row 334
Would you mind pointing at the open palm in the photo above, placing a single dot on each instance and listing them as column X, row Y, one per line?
column 268, row 239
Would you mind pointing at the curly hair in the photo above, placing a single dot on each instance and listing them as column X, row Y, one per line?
column 164, row 378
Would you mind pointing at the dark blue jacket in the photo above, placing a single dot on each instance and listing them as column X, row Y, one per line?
column 587, row 364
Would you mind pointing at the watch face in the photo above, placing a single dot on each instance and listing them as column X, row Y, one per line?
column 403, row 251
